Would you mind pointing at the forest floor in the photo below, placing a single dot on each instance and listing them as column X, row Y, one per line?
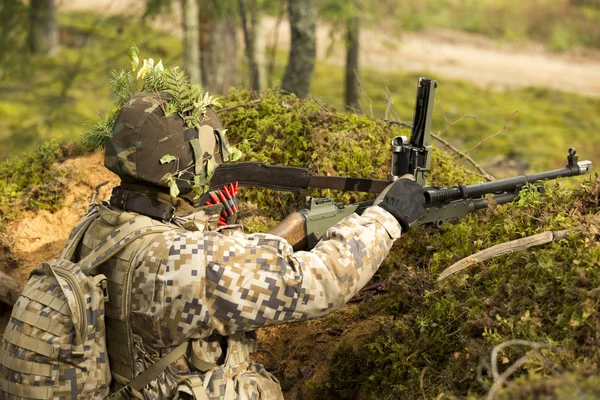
column 477, row 59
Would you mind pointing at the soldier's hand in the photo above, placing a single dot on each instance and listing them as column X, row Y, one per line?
column 403, row 199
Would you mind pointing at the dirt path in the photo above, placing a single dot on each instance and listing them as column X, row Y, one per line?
column 451, row 54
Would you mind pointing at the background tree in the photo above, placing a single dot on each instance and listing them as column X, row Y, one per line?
column 346, row 18
column 190, row 28
column 191, row 40
column 301, row 62
column 250, row 21
column 43, row 28
column 218, row 46
column 351, row 82
column 10, row 15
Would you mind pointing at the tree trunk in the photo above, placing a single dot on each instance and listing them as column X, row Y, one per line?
column 191, row 40
column 43, row 29
column 249, row 19
column 218, row 53
column 301, row 62
column 351, row 88
column 10, row 13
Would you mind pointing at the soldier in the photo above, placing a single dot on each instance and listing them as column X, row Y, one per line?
column 212, row 286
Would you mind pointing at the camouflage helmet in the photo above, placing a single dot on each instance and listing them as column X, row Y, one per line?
column 143, row 136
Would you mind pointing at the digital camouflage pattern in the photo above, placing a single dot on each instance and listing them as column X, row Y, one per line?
column 54, row 344
column 142, row 135
column 218, row 286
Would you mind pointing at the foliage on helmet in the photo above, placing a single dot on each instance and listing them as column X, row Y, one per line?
column 177, row 97
column 189, row 100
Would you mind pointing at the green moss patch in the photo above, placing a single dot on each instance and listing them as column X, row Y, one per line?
column 31, row 181
column 436, row 337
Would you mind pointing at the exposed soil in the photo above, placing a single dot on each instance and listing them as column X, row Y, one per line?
column 458, row 55
column 40, row 236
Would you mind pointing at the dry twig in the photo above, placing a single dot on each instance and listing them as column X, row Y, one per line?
column 501, row 379
column 389, row 108
column 451, row 123
column 399, row 123
column 422, row 383
column 504, row 129
column 465, row 156
column 364, row 94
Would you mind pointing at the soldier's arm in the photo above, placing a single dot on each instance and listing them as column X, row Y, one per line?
column 213, row 282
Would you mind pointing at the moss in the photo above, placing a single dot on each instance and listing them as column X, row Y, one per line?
column 286, row 131
column 583, row 385
column 31, row 181
column 45, row 98
column 437, row 335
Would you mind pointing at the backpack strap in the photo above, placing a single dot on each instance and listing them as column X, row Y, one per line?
column 117, row 240
column 77, row 233
column 134, row 388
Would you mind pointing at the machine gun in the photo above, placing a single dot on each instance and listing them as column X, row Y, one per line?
column 304, row 228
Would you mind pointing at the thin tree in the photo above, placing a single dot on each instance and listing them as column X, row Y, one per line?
column 11, row 14
column 351, row 85
column 346, row 17
column 191, row 40
column 218, row 47
column 301, row 61
column 249, row 18
column 43, row 28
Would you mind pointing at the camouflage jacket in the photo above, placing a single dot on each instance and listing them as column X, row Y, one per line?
column 206, row 285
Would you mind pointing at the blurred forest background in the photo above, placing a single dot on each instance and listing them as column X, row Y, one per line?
column 529, row 69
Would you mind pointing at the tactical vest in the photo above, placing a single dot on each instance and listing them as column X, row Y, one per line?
column 129, row 356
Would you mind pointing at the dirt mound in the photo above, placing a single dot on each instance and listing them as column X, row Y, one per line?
column 39, row 236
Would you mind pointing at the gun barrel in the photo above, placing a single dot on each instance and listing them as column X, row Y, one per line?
column 433, row 196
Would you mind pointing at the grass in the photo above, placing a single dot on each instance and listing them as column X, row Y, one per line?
column 43, row 98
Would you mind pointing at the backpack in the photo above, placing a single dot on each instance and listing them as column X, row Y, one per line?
column 54, row 345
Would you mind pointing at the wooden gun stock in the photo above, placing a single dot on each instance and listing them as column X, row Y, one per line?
column 292, row 229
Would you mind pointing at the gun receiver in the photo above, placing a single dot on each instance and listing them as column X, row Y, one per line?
column 414, row 156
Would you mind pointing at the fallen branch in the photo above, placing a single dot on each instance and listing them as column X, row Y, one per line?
column 10, row 289
column 399, row 123
column 502, row 249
